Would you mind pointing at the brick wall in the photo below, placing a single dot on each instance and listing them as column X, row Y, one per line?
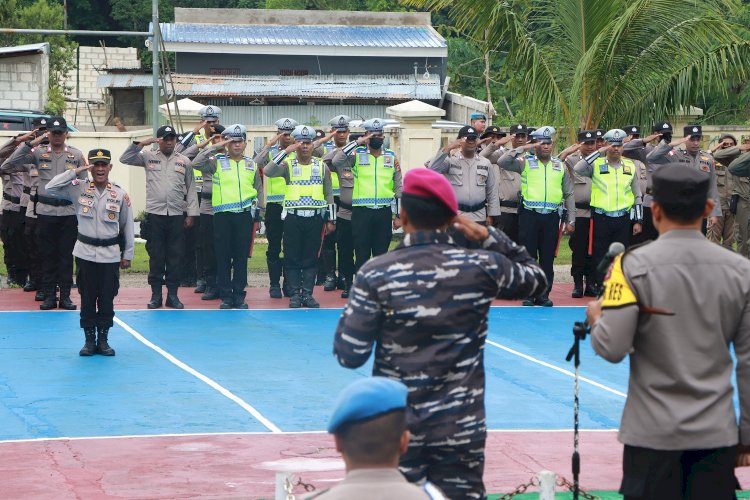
column 24, row 81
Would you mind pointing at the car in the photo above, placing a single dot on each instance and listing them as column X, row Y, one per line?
column 21, row 120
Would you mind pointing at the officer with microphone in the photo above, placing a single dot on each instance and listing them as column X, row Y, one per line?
column 675, row 306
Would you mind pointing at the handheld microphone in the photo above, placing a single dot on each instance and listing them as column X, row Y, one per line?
column 615, row 249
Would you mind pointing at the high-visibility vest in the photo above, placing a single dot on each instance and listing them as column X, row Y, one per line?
column 233, row 184
column 305, row 188
column 611, row 188
column 327, row 148
column 373, row 178
column 276, row 186
column 541, row 185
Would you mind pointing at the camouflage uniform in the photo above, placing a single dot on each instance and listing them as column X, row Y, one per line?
column 425, row 304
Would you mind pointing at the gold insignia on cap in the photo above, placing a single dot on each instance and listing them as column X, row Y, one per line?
column 99, row 153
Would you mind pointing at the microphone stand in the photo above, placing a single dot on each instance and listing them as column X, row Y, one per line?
column 580, row 330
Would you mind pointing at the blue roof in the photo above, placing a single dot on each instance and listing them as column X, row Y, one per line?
column 306, row 35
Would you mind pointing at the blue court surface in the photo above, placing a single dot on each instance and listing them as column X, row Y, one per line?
column 185, row 372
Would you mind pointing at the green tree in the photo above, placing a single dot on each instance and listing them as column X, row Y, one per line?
column 41, row 14
column 585, row 63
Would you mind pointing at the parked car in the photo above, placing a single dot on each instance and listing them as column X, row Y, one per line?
column 14, row 119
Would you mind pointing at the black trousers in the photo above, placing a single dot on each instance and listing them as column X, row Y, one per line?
column 32, row 246
column 648, row 233
column 56, row 236
column 346, row 249
column 98, row 284
column 607, row 230
column 538, row 233
column 302, row 238
column 371, row 232
column 508, row 223
column 165, row 246
column 16, row 252
column 232, row 232
column 678, row 474
column 191, row 256
column 207, row 254
column 274, row 231
column 578, row 242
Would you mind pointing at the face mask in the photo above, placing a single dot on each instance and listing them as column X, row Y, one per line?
column 376, row 142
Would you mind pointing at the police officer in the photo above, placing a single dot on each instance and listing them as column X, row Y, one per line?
column 105, row 222
column 210, row 117
column 369, row 429
column 473, row 179
column 580, row 241
column 56, row 219
column 692, row 156
column 170, row 193
column 737, row 159
column 345, row 178
column 274, row 190
column 13, row 217
column 723, row 231
column 447, row 293
column 377, row 182
column 309, row 204
column 478, row 121
column 236, row 188
column 545, row 184
column 674, row 306
column 615, row 195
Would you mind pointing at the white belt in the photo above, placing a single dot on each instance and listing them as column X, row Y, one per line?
column 303, row 212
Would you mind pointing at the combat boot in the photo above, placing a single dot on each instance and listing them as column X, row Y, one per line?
column 155, row 302
column 592, row 289
column 65, row 302
column 330, row 283
column 346, row 290
column 212, row 293
column 172, row 300
column 543, row 301
column 102, row 347
column 295, row 302
column 275, row 292
column 201, row 287
column 50, row 300
column 577, row 286
column 89, row 348
column 238, row 301
column 309, row 301
column 39, row 295
column 30, row 286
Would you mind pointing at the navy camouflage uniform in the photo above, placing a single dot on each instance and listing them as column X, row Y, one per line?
column 424, row 306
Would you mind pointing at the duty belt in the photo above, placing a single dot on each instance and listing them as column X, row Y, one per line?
column 98, row 242
column 509, row 204
column 583, row 206
column 299, row 212
column 206, row 196
column 470, row 208
column 55, row 202
column 12, row 199
column 616, row 213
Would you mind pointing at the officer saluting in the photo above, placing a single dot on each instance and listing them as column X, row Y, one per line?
column 473, row 179
column 105, row 221
column 675, row 306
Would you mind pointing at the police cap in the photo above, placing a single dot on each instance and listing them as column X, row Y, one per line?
column 236, row 132
column 519, row 128
column 543, row 134
column 366, row 399
column 663, row 128
column 166, row 131
column 57, row 124
column 493, row 130
column 675, row 184
column 599, row 133
column 693, row 131
column 286, row 124
column 216, row 129
column 632, row 129
column 615, row 136
column 467, row 131
column 210, row 113
column 100, row 156
column 586, row 136
column 319, row 133
column 303, row 133
column 42, row 121
column 374, row 125
column 340, row 122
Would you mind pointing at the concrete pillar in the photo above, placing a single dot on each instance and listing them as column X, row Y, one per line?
column 417, row 141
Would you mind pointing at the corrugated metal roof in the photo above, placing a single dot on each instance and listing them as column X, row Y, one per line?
column 325, row 36
column 124, row 81
column 33, row 47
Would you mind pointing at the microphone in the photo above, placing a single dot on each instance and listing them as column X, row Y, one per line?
column 615, row 249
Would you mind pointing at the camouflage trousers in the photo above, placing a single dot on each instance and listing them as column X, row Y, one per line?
column 456, row 470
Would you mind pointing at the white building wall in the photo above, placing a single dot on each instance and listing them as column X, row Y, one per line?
column 24, row 81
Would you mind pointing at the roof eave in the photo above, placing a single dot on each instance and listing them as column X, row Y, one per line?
column 309, row 50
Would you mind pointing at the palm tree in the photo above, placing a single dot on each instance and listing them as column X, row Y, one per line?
column 589, row 63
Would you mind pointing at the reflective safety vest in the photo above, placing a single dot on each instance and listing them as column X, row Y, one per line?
column 276, row 186
column 373, row 178
column 197, row 174
column 327, row 148
column 305, row 188
column 611, row 188
column 541, row 185
column 233, row 184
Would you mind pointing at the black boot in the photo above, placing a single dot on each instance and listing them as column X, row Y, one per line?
column 155, row 297
column 308, row 283
column 65, row 302
column 577, row 286
column 238, row 300
column 30, row 286
column 50, row 300
column 274, row 275
column 212, row 293
column 201, row 287
column 330, row 284
column 592, row 289
column 39, row 295
column 172, row 300
column 89, row 348
column 293, row 280
column 341, row 283
column 347, row 289
column 102, row 347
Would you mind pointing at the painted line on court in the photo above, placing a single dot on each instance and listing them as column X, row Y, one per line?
column 210, row 382
column 557, row 368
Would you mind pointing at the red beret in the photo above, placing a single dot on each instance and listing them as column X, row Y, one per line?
column 427, row 183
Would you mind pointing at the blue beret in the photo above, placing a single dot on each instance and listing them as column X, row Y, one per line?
column 478, row 116
column 365, row 399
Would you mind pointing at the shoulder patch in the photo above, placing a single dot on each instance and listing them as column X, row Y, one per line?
column 127, row 199
column 617, row 290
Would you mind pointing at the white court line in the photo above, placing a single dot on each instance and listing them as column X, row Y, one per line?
column 557, row 368
column 215, row 385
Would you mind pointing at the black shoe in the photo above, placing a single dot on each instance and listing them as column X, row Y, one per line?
column 341, row 283
column 89, row 348
column 212, row 293
column 591, row 291
column 345, row 293
column 102, row 346
column 309, row 301
column 275, row 292
column 295, row 302
column 173, row 301
column 155, row 302
column 226, row 304
column 50, row 302
column 66, row 303
column 30, row 286
column 200, row 287
column 39, row 296
column 239, row 303
column 330, row 283
column 528, row 302
column 543, row 301
column 577, row 293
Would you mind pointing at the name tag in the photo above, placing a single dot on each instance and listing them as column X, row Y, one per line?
column 604, row 169
column 44, row 166
column 113, row 207
column 224, row 163
column 388, row 161
column 296, row 171
column 86, row 202
column 316, row 171
column 363, row 158
column 556, row 166
column 249, row 165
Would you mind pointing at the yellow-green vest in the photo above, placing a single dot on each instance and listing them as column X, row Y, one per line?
column 373, row 178
column 233, row 184
column 305, row 188
column 276, row 186
column 541, row 185
column 611, row 188
column 327, row 148
column 197, row 174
